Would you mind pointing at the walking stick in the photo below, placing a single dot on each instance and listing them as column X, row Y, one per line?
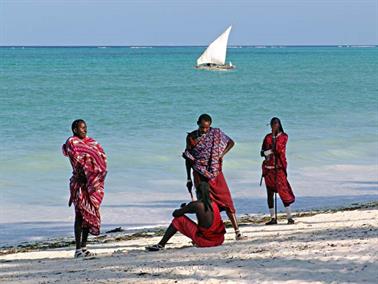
column 275, row 175
column 275, row 205
column 191, row 195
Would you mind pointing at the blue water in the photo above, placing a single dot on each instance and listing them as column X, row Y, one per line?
column 139, row 104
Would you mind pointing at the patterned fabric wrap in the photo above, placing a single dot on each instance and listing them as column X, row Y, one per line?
column 88, row 162
column 206, row 151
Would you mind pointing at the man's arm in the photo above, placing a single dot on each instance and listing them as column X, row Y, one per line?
column 229, row 146
column 189, row 208
column 188, row 166
column 265, row 152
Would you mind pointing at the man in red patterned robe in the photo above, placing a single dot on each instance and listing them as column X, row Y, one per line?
column 204, row 153
column 88, row 162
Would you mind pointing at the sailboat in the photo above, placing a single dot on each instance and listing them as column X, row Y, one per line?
column 214, row 57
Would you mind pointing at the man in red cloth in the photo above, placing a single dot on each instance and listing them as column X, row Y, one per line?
column 209, row 231
column 88, row 162
column 205, row 149
column 274, row 169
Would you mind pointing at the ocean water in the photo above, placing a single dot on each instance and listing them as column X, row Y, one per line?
column 139, row 103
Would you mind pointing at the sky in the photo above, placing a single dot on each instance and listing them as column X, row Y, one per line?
column 184, row 22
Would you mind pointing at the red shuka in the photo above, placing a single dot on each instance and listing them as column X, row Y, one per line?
column 88, row 162
column 219, row 191
column 202, row 237
column 276, row 179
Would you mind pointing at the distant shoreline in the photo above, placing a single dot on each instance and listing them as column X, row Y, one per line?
column 199, row 46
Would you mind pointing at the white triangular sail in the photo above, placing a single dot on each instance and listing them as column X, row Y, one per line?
column 216, row 51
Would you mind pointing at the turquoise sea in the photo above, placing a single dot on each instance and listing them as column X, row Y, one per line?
column 139, row 103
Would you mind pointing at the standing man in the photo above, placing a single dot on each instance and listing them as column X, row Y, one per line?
column 274, row 170
column 205, row 149
column 88, row 162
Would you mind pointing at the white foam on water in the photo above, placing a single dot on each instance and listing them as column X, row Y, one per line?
column 139, row 205
column 140, row 47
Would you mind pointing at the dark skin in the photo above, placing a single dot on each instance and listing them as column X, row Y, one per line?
column 204, row 218
column 270, row 195
column 275, row 128
column 81, row 130
column 203, row 127
column 81, row 234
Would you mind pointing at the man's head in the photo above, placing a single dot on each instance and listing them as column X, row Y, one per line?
column 204, row 122
column 79, row 128
column 275, row 124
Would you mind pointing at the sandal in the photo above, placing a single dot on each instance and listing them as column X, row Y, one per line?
column 272, row 222
column 154, row 248
column 87, row 253
column 79, row 254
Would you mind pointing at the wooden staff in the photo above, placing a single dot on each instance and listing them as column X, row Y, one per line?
column 275, row 175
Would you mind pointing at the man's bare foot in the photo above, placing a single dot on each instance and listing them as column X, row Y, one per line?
column 239, row 236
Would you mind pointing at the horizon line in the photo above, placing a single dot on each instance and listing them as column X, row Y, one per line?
column 233, row 45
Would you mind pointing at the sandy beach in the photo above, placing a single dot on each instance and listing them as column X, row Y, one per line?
column 336, row 246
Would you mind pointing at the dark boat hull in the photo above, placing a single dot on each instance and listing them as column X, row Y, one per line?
column 216, row 67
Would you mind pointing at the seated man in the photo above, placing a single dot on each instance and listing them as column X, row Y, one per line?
column 210, row 229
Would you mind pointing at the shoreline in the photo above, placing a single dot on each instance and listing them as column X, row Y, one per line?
column 333, row 246
column 119, row 235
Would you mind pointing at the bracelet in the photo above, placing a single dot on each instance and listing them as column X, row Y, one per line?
column 188, row 180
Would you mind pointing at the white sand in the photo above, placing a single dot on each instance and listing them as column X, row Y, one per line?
column 326, row 248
